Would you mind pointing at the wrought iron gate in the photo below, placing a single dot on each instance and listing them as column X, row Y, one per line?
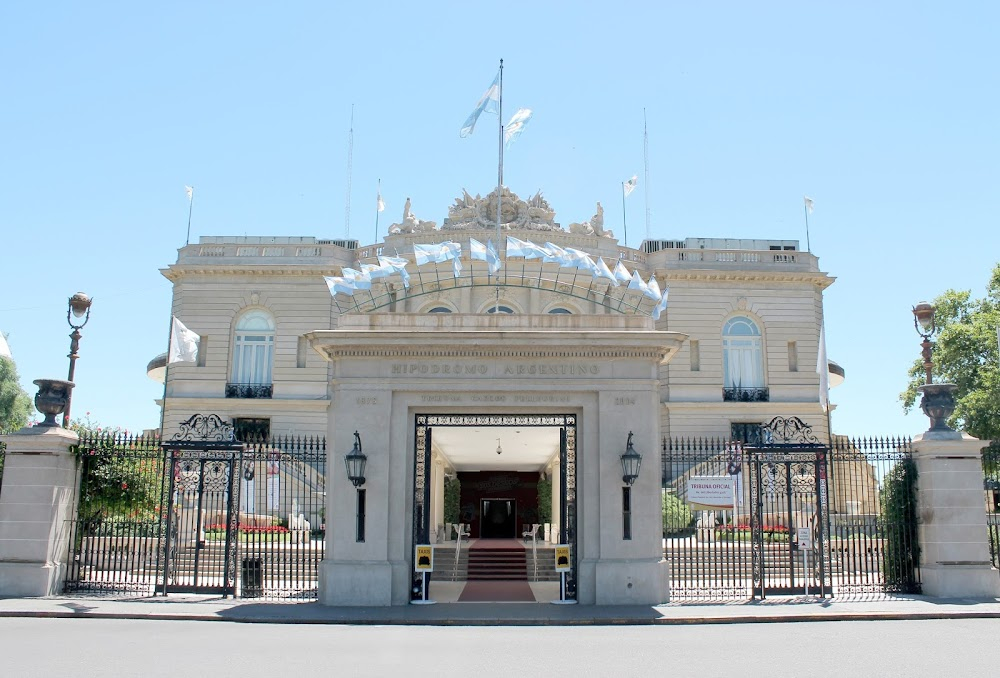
column 787, row 497
column 202, row 527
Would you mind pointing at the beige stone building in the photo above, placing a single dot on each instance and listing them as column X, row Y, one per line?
column 555, row 332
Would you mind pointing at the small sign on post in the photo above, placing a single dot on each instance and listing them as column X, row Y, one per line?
column 563, row 565
column 803, row 535
column 423, row 563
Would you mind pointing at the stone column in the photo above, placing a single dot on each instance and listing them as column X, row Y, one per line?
column 37, row 507
column 954, row 555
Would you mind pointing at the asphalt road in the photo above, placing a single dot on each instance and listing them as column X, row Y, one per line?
column 186, row 649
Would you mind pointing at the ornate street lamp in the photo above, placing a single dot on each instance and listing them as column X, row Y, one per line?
column 923, row 323
column 356, row 461
column 938, row 400
column 79, row 307
column 630, row 462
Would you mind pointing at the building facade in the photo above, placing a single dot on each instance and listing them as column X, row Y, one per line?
column 303, row 336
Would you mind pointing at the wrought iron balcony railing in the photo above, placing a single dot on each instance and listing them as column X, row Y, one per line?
column 248, row 390
column 738, row 394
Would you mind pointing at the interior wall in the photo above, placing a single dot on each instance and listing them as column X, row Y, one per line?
column 478, row 485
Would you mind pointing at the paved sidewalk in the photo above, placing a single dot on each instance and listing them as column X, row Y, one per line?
column 203, row 608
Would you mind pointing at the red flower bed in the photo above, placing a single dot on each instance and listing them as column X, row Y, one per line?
column 247, row 529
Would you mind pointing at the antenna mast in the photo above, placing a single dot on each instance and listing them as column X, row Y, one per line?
column 350, row 169
column 645, row 160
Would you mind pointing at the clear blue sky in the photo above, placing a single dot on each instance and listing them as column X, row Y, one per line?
column 884, row 113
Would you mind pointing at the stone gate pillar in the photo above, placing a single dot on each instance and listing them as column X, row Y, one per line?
column 954, row 555
column 37, row 506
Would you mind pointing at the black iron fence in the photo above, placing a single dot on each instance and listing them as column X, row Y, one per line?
column 144, row 524
column 991, row 487
column 857, row 501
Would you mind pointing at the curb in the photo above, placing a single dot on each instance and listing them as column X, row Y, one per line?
column 662, row 621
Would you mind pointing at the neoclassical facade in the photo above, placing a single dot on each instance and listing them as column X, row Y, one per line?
column 308, row 336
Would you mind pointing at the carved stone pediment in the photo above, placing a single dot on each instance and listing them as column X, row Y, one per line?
column 479, row 212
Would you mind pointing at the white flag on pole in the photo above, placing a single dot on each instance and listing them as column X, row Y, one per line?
column 379, row 205
column 654, row 288
column 809, row 203
column 604, row 272
column 189, row 190
column 485, row 253
column 490, row 102
column 629, row 186
column 516, row 125
column 4, row 348
column 662, row 306
column 339, row 284
column 621, row 273
column 398, row 264
column 823, row 367
column 183, row 343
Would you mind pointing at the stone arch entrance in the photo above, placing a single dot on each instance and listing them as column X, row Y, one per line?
column 488, row 505
column 389, row 369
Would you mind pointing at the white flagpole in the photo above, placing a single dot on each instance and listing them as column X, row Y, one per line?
column 805, row 208
column 187, row 240
column 645, row 157
column 496, row 307
column 379, row 194
column 624, row 224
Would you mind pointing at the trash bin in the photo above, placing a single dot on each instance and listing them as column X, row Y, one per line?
column 252, row 578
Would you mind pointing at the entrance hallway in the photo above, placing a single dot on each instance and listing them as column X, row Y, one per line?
column 494, row 591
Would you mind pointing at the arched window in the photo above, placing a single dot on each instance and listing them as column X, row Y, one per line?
column 560, row 311
column 742, row 361
column 253, row 350
column 503, row 309
column 440, row 309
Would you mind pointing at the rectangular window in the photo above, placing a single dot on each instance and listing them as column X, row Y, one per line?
column 202, row 350
column 361, row 514
column 300, row 354
column 626, row 513
column 748, row 433
column 695, row 348
column 247, row 429
column 793, row 356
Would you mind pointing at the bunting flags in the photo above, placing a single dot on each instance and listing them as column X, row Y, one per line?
column 661, row 306
column 516, row 125
column 487, row 253
column 398, row 265
column 621, row 273
column 489, row 102
column 183, row 343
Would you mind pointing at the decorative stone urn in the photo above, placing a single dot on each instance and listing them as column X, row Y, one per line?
column 51, row 399
column 938, row 403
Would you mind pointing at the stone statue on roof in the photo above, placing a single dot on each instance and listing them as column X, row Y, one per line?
column 410, row 223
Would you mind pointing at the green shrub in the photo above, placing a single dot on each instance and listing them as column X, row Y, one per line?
column 901, row 550
column 677, row 516
column 545, row 500
column 452, row 499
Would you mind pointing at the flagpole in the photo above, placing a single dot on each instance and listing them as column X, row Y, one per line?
column 187, row 240
column 379, row 197
column 645, row 158
column 805, row 209
column 496, row 306
column 624, row 224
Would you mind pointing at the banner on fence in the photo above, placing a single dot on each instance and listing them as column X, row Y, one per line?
column 711, row 493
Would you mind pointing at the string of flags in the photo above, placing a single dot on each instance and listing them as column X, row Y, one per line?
column 353, row 280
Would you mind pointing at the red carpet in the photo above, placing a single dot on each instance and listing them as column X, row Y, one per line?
column 497, row 544
column 497, row 592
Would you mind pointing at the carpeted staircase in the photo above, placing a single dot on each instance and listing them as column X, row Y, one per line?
column 503, row 560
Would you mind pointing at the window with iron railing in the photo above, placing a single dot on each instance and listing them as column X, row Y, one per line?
column 253, row 356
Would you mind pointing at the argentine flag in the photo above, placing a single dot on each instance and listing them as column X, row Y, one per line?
column 490, row 102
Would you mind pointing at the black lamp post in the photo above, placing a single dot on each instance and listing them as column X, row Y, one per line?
column 923, row 323
column 79, row 307
column 630, row 462
column 356, row 460
column 938, row 400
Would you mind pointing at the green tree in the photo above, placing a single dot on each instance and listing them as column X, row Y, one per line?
column 452, row 499
column 15, row 405
column 901, row 549
column 966, row 354
column 677, row 516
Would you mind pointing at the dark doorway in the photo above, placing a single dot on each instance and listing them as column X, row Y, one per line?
column 498, row 519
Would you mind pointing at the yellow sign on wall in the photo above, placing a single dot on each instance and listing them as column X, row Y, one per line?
column 424, row 562
column 562, row 558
